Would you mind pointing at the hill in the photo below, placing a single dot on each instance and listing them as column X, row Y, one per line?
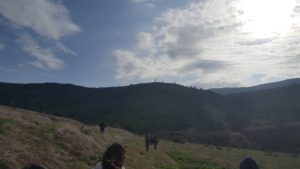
column 265, row 119
column 138, row 108
column 56, row 142
column 236, row 90
column 269, row 118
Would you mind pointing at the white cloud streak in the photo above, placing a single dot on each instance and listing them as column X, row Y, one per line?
column 145, row 3
column 65, row 49
column 45, row 57
column 204, row 44
column 45, row 17
column 7, row 70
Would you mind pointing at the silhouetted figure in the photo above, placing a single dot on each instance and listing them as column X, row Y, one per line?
column 113, row 158
column 150, row 139
column 34, row 166
column 102, row 127
column 155, row 141
column 248, row 163
column 147, row 141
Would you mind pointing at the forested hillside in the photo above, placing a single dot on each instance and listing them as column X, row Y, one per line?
column 266, row 119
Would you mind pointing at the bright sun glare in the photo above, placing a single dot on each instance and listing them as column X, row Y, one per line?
column 266, row 18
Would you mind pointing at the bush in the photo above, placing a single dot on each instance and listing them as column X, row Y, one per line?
column 3, row 123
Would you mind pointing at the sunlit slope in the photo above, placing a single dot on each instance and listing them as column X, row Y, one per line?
column 27, row 136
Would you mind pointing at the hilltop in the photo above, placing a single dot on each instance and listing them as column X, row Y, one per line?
column 27, row 136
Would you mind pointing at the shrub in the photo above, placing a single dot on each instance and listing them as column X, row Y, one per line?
column 3, row 123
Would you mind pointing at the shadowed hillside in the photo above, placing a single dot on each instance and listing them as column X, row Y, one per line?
column 269, row 118
column 27, row 136
column 137, row 108
column 266, row 119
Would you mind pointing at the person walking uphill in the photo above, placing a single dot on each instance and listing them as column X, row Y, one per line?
column 113, row 158
column 147, row 141
column 155, row 141
column 102, row 127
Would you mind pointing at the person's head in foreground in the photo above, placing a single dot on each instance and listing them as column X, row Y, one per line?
column 34, row 166
column 113, row 158
column 248, row 163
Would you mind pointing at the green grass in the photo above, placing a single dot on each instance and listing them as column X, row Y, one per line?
column 43, row 130
column 3, row 123
column 92, row 159
column 46, row 128
column 187, row 161
column 74, row 164
column 160, row 165
column 61, row 145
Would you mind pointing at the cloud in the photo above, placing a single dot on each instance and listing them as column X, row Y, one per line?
column 206, row 66
column 146, row 42
column 205, row 43
column 45, row 57
column 45, row 17
column 4, row 69
column 145, row 3
column 2, row 46
column 65, row 49
column 255, row 42
column 139, row 1
column 38, row 64
column 48, row 18
column 129, row 66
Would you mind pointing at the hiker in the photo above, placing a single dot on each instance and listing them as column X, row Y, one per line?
column 102, row 127
column 155, row 141
column 34, row 166
column 113, row 158
column 147, row 141
column 248, row 163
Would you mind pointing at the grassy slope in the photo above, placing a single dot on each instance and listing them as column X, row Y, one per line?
column 27, row 136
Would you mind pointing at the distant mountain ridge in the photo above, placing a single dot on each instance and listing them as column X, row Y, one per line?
column 173, row 111
column 234, row 90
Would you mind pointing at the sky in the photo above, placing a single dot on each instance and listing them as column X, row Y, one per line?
column 101, row 43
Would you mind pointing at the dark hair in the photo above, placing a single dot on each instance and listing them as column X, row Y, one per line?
column 248, row 163
column 114, row 157
column 34, row 166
